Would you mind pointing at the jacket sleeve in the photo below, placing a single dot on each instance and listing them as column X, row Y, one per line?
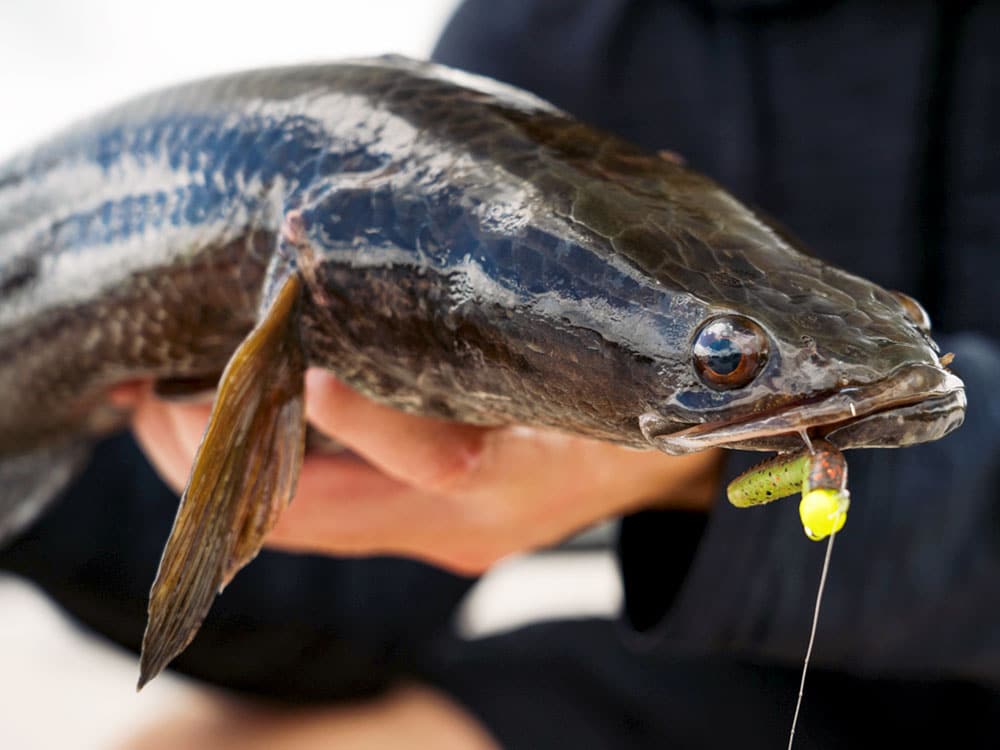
column 912, row 588
column 290, row 626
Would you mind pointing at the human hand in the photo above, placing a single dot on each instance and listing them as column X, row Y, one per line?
column 457, row 495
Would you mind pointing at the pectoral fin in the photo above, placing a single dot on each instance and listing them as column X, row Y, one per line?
column 243, row 477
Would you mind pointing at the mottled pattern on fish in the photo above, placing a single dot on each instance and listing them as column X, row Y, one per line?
column 445, row 244
column 135, row 244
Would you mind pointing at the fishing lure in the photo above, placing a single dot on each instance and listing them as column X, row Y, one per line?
column 818, row 471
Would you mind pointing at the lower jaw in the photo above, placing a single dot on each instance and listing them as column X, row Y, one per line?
column 922, row 422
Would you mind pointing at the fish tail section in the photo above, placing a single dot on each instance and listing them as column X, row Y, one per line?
column 30, row 481
column 243, row 476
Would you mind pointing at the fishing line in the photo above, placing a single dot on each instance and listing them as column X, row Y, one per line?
column 812, row 637
column 807, row 441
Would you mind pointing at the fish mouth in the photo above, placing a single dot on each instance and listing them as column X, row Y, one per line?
column 915, row 404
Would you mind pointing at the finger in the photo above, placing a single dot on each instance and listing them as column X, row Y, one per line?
column 344, row 506
column 432, row 454
column 585, row 473
column 188, row 421
column 169, row 435
column 516, row 461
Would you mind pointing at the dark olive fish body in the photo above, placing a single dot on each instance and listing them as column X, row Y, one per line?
column 136, row 245
column 446, row 244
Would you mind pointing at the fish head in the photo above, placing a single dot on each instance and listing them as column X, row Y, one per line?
column 785, row 345
column 614, row 293
column 759, row 341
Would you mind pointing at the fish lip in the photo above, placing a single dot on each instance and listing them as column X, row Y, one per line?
column 834, row 416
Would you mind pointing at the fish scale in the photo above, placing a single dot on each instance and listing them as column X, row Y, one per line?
column 443, row 243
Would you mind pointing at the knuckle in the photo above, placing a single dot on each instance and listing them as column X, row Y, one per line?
column 455, row 469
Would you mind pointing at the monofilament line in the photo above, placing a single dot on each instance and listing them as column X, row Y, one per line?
column 807, row 441
column 812, row 637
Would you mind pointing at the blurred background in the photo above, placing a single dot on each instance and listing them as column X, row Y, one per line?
column 61, row 60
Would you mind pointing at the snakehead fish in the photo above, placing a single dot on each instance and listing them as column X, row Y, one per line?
column 443, row 243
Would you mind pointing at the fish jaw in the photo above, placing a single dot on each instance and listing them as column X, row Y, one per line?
column 917, row 403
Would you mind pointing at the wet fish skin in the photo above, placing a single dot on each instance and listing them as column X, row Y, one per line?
column 493, row 204
column 445, row 244
column 573, row 243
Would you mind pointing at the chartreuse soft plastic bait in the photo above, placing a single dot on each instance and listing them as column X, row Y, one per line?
column 819, row 473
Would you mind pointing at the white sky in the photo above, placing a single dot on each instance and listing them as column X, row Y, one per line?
column 63, row 59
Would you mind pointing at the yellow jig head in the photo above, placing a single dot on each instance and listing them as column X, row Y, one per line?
column 825, row 498
column 823, row 512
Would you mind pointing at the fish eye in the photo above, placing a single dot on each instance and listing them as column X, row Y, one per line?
column 915, row 312
column 729, row 352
